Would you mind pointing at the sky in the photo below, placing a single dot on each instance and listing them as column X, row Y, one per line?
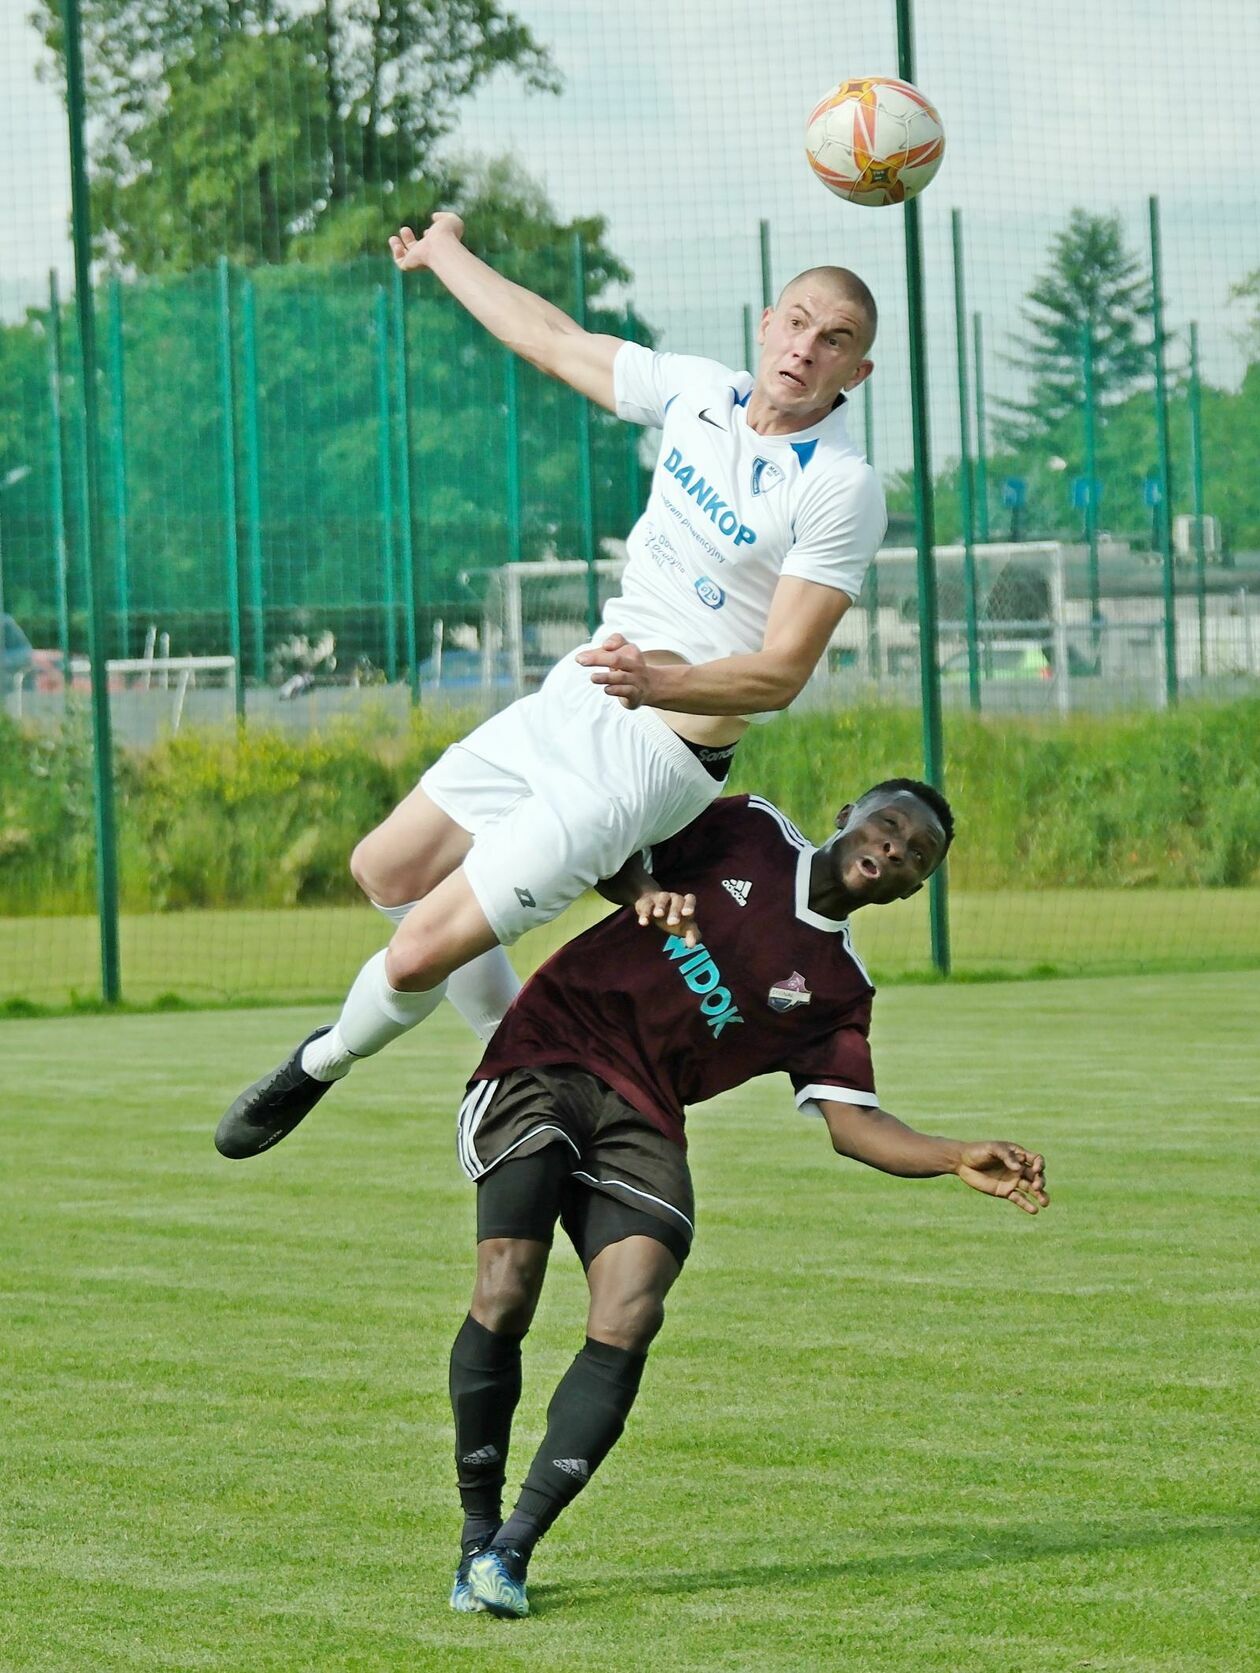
column 682, row 121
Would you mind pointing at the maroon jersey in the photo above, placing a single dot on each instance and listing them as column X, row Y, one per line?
column 775, row 986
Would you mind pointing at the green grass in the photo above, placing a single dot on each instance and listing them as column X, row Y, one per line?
column 280, row 956
column 888, row 1426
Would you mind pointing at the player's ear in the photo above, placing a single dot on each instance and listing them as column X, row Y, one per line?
column 861, row 372
column 767, row 314
column 842, row 818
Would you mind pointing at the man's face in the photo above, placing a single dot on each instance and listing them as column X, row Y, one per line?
column 886, row 847
column 813, row 348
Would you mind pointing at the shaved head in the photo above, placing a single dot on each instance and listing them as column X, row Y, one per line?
column 845, row 286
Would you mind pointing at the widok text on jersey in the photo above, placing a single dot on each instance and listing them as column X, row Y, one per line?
column 702, row 976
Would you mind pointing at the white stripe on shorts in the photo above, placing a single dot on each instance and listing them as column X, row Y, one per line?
column 634, row 1190
column 470, row 1113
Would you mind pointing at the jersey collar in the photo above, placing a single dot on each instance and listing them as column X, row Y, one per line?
column 817, row 920
column 830, row 424
column 804, row 911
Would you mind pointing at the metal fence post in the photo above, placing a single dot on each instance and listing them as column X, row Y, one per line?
column 586, row 486
column 57, row 471
column 982, row 435
column 512, row 457
column 873, row 654
column 385, row 483
column 1196, row 478
column 1091, row 484
column 253, row 478
column 767, row 286
column 118, row 438
column 749, row 340
column 406, row 555
column 231, row 551
column 102, row 742
column 964, row 466
column 1165, row 460
column 1058, row 609
column 925, row 525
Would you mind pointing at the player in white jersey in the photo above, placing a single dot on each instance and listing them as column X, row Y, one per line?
column 761, row 522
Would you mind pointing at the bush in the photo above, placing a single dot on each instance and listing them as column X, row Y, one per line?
column 259, row 819
column 1164, row 799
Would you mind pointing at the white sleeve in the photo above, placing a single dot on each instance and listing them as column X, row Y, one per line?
column 838, row 530
column 645, row 381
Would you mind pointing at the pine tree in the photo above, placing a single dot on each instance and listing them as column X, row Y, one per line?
column 1094, row 281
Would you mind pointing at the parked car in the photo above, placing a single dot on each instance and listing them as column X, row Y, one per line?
column 1014, row 659
column 15, row 654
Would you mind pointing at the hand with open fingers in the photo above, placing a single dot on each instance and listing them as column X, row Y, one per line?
column 410, row 252
column 1000, row 1169
column 671, row 913
column 621, row 669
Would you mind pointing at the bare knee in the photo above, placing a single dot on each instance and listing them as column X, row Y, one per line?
column 629, row 1322
column 383, row 884
column 628, row 1282
column 413, row 965
column 509, row 1277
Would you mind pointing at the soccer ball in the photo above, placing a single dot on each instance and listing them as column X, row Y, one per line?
column 874, row 140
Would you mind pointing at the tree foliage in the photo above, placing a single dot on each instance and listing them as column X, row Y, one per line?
column 319, row 489
column 241, row 126
column 1247, row 291
column 1093, row 283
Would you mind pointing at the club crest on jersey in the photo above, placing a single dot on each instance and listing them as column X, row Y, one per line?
column 710, row 593
column 765, row 476
column 787, row 995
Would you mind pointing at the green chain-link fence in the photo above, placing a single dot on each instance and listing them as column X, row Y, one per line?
column 312, row 477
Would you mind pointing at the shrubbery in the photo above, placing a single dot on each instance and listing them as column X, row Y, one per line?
column 259, row 819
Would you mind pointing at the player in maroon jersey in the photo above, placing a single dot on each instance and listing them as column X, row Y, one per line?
column 576, row 1114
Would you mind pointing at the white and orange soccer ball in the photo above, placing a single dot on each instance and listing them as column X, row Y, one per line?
column 874, row 140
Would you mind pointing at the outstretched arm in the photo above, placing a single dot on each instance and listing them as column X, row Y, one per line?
column 993, row 1166
column 532, row 327
column 671, row 912
column 803, row 617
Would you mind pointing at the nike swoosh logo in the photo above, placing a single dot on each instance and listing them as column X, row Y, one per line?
column 705, row 419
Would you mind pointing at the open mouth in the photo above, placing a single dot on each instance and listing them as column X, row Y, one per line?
column 791, row 379
column 869, row 867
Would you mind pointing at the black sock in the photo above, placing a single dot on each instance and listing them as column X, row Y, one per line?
column 587, row 1413
column 485, row 1389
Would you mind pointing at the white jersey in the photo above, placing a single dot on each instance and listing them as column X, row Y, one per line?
column 730, row 510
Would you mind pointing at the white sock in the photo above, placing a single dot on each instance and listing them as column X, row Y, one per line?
column 374, row 1014
column 480, row 990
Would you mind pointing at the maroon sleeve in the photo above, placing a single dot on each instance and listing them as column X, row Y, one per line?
column 838, row 1068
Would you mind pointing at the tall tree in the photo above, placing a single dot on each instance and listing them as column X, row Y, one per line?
column 1093, row 280
column 1247, row 291
column 239, row 125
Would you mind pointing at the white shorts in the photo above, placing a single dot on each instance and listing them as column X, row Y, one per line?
column 560, row 790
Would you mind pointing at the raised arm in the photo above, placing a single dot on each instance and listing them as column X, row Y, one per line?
column 671, row 912
column 532, row 327
column 803, row 616
column 993, row 1166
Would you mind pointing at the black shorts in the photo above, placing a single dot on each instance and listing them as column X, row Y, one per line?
column 624, row 1177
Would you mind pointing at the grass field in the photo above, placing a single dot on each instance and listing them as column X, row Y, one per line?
column 298, row 956
column 888, row 1426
